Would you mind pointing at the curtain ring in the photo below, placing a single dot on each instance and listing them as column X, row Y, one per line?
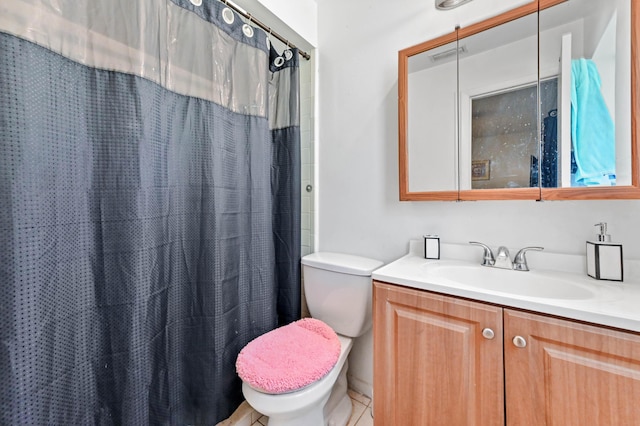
column 247, row 29
column 288, row 54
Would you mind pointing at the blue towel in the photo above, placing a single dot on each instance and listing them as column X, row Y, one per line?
column 592, row 129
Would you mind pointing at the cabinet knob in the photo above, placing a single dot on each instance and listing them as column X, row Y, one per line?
column 488, row 333
column 519, row 342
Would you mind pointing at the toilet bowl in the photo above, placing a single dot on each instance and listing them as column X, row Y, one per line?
column 338, row 293
column 304, row 406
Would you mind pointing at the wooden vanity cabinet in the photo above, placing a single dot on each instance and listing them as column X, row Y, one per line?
column 433, row 366
column 570, row 373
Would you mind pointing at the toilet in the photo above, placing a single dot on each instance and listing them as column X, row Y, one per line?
column 338, row 293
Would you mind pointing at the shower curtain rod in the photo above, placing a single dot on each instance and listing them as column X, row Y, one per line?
column 266, row 28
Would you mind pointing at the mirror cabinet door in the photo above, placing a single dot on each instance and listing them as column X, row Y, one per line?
column 498, row 92
column 585, row 57
column 432, row 148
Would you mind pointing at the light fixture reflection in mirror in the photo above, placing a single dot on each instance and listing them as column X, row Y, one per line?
column 449, row 4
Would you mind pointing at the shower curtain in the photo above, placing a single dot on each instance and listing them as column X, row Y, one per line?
column 149, row 208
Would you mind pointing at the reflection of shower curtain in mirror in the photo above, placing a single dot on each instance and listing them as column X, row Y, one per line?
column 150, row 214
column 550, row 150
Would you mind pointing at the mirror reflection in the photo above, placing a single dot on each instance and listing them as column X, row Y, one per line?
column 498, row 91
column 586, row 138
column 504, row 147
column 495, row 110
column 432, row 120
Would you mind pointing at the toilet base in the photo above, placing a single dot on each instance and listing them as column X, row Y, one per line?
column 313, row 417
column 338, row 408
column 334, row 411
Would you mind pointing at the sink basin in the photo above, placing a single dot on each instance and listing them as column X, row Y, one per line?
column 530, row 284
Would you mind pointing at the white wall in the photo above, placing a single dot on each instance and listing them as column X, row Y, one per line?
column 358, row 210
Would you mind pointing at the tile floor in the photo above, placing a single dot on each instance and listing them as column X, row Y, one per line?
column 247, row 416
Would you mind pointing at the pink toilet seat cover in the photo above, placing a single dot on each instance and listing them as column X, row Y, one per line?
column 290, row 357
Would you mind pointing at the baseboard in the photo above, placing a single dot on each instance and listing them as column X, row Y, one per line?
column 244, row 415
column 360, row 386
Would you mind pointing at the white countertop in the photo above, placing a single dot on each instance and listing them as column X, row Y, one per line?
column 613, row 304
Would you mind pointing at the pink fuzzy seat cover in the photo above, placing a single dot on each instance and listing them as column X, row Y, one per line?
column 290, row 357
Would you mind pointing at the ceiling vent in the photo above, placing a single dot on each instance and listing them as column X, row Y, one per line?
column 448, row 53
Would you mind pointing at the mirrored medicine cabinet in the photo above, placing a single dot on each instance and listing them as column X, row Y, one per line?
column 537, row 103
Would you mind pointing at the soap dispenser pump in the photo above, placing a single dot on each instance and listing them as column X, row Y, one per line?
column 604, row 258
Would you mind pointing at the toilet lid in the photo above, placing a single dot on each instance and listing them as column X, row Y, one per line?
column 290, row 357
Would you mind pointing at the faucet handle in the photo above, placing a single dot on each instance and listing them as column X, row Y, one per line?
column 520, row 261
column 488, row 259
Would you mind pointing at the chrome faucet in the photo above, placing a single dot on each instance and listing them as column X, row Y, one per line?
column 503, row 259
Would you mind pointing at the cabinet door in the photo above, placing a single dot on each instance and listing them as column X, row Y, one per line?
column 570, row 373
column 432, row 365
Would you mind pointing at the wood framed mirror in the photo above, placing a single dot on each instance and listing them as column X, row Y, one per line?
column 489, row 111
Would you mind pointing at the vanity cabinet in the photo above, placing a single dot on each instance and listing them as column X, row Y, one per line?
column 441, row 360
column 432, row 366
column 569, row 373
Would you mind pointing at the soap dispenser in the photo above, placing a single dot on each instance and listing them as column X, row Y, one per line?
column 604, row 258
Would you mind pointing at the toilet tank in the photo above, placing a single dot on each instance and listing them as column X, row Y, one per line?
column 337, row 289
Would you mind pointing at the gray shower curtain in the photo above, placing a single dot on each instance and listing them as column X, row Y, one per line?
column 149, row 209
